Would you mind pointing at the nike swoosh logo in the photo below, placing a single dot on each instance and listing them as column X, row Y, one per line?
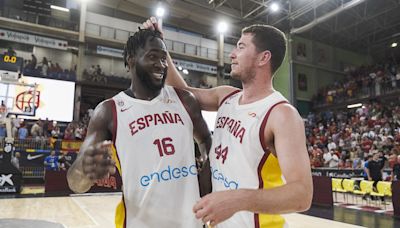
column 124, row 109
column 32, row 157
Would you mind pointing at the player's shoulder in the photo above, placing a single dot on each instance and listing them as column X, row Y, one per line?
column 285, row 113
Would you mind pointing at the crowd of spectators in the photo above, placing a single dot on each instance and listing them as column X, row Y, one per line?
column 365, row 81
column 345, row 139
column 45, row 129
column 47, row 69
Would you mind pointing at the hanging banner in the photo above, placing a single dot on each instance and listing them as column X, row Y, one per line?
column 25, row 38
column 195, row 66
column 113, row 52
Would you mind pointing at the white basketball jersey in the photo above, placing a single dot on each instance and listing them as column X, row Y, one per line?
column 155, row 157
column 239, row 159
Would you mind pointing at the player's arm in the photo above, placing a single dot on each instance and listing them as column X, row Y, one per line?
column 94, row 158
column 289, row 141
column 209, row 99
column 202, row 136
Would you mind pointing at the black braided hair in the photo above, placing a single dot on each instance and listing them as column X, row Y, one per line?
column 138, row 40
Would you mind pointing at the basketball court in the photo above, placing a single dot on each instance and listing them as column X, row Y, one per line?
column 97, row 211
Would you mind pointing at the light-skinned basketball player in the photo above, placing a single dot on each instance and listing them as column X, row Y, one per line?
column 259, row 162
column 148, row 129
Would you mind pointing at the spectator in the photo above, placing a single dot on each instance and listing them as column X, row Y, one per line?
column 10, row 52
column 15, row 160
column 33, row 62
column 37, row 130
column 51, row 161
column 22, row 132
column 331, row 159
column 3, row 131
column 45, row 66
column 396, row 170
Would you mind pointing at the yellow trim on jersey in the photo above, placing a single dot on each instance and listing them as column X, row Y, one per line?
column 120, row 211
column 120, row 215
column 115, row 158
column 271, row 175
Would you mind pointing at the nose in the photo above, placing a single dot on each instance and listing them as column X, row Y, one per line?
column 161, row 64
column 232, row 55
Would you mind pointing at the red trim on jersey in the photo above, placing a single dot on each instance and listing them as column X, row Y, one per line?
column 261, row 183
column 264, row 123
column 264, row 157
column 227, row 96
column 115, row 122
column 126, row 215
column 256, row 221
column 114, row 137
column 180, row 95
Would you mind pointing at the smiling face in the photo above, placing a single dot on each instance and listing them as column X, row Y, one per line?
column 151, row 64
column 243, row 58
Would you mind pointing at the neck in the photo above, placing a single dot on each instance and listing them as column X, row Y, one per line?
column 140, row 91
column 256, row 89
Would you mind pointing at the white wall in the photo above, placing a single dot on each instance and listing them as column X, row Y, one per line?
column 109, row 66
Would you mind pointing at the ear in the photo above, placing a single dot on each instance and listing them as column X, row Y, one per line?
column 130, row 59
column 264, row 57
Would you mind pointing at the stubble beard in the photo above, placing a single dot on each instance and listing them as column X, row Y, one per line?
column 145, row 78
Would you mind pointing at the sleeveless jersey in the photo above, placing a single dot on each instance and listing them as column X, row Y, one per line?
column 154, row 152
column 239, row 159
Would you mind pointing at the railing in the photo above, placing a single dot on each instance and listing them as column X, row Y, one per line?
column 375, row 90
column 172, row 45
column 32, row 172
column 31, row 17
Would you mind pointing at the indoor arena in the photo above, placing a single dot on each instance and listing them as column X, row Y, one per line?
column 199, row 113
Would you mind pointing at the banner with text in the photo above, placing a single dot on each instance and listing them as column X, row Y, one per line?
column 33, row 39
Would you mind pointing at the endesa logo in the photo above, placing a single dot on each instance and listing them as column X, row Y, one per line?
column 169, row 174
column 220, row 177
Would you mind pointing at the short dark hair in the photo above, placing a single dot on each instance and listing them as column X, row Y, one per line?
column 266, row 37
column 138, row 40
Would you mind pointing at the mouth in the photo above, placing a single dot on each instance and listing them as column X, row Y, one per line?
column 158, row 76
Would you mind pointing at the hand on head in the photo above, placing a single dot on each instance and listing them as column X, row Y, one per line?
column 153, row 24
column 97, row 161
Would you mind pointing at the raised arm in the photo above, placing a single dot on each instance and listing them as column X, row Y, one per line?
column 94, row 158
column 209, row 99
column 202, row 136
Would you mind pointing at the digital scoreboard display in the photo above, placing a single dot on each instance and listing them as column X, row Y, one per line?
column 11, row 63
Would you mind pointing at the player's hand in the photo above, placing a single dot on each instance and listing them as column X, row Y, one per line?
column 97, row 161
column 217, row 207
column 153, row 24
column 201, row 162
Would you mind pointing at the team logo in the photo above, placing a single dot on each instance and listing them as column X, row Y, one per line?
column 6, row 179
column 169, row 101
column 252, row 114
column 24, row 100
column 120, row 103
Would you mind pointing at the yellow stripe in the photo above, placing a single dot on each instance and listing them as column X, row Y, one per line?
column 271, row 175
column 120, row 211
column 120, row 215
column 115, row 158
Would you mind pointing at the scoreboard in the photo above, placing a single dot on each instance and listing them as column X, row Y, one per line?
column 11, row 63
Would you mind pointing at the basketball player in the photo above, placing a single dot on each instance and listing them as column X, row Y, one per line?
column 151, row 127
column 259, row 161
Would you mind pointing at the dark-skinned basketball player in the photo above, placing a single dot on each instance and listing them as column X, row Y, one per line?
column 147, row 132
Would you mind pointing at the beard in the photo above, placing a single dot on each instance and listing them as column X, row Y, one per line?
column 146, row 78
